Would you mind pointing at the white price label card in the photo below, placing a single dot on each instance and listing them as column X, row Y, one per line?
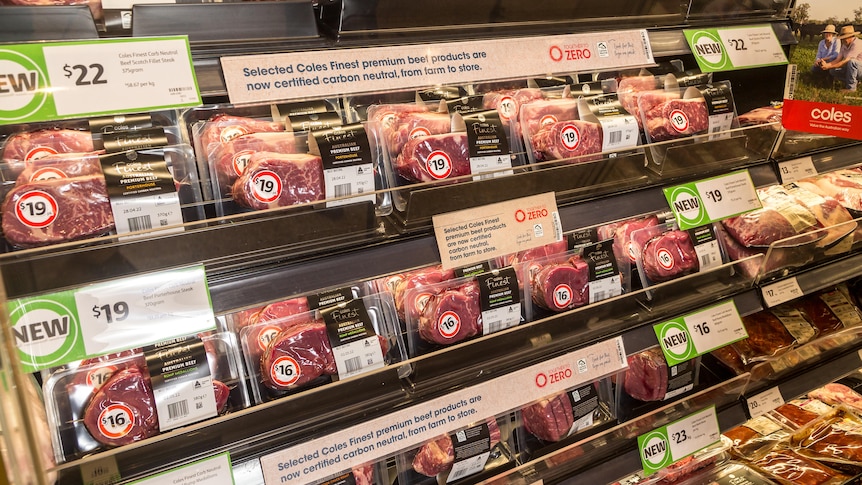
column 667, row 445
column 727, row 49
column 764, row 402
column 686, row 337
column 781, row 292
column 209, row 471
column 699, row 203
column 470, row 466
column 799, row 168
column 57, row 80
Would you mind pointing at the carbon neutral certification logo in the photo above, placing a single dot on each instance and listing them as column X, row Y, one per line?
column 46, row 331
column 22, row 86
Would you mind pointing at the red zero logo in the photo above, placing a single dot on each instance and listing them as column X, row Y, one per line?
column 449, row 323
column 541, row 379
column 284, row 371
column 116, row 420
column 240, row 161
column 39, row 152
column 97, row 377
column 266, row 186
column 562, row 295
column 266, row 335
column 47, row 173
column 678, row 120
column 548, row 120
column 665, row 260
column 232, row 132
column 419, row 132
column 520, row 215
column 571, row 137
column 36, row 209
column 439, row 164
column 556, row 55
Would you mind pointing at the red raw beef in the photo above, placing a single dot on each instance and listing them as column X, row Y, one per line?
column 540, row 252
column 61, row 165
column 27, row 146
column 736, row 252
column 222, row 394
column 621, row 233
column 96, row 371
column 231, row 158
column 508, row 102
column 412, row 163
column 570, row 140
column 629, row 91
column 553, row 278
column 83, row 210
column 683, row 258
column 835, row 394
column 408, row 303
column 550, row 419
column 364, row 474
column 222, row 128
column 761, row 116
column 460, row 305
column 300, row 175
column 535, row 115
column 438, row 456
column 658, row 118
column 646, row 377
column 308, row 345
column 410, row 125
column 257, row 337
column 385, row 114
column 828, row 212
column 129, row 388
column 843, row 185
column 769, row 224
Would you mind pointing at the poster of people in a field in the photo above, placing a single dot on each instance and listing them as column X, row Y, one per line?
column 827, row 97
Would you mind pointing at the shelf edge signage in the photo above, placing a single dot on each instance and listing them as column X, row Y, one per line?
column 733, row 48
column 215, row 470
column 698, row 333
column 711, row 200
column 271, row 77
column 667, row 445
column 59, row 80
column 384, row 436
column 58, row 328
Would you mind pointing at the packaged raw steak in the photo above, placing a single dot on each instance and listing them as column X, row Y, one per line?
column 838, row 394
column 829, row 310
column 57, row 210
column 787, row 466
column 536, row 115
column 31, row 145
column 228, row 160
column 222, row 128
column 729, row 473
column 401, row 285
column 508, row 102
column 574, row 141
column 366, row 474
column 826, row 210
column 275, row 180
column 560, row 415
column 799, row 412
column 695, row 464
column 125, row 397
column 665, row 116
column 406, row 126
column 466, row 452
column 832, row 439
column 781, row 217
column 60, row 166
column 845, row 186
column 621, row 232
column 456, row 310
column 756, row 437
column 629, row 91
column 649, row 378
column 730, row 358
column 761, row 116
column 665, row 252
column 773, row 332
column 435, row 157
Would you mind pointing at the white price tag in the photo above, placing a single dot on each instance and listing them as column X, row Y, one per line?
column 793, row 170
column 501, row 318
column 470, row 466
column 605, row 288
column 493, row 163
column 667, row 445
column 619, row 132
column 709, row 255
column 146, row 213
column 752, row 46
column 356, row 180
column 728, row 195
column 695, row 334
column 764, row 402
column 780, row 292
column 209, row 471
column 120, row 75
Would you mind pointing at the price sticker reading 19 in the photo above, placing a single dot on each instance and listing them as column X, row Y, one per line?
column 119, row 311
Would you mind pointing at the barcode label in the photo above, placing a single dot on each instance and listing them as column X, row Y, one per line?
column 494, row 326
column 558, row 226
column 716, row 129
column 501, row 318
column 618, row 132
column 140, row 223
column 605, row 288
column 178, row 409
column 790, row 81
column 615, row 137
column 353, row 364
column 468, row 467
column 342, row 190
column 719, row 124
column 709, row 255
column 705, row 260
column 180, row 90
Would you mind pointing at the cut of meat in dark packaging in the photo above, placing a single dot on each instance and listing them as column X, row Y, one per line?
column 438, row 456
column 789, row 467
column 767, row 337
column 756, row 437
column 832, row 439
column 798, row 413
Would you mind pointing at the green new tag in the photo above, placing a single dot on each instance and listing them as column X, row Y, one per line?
column 667, row 445
column 728, row 49
column 699, row 203
column 695, row 334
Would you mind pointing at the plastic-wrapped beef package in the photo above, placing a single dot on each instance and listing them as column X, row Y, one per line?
column 828, row 310
column 799, row 412
column 789, row 467
column 730, row 358
column 844, row 185
column 832, row 439
column 538, row 114
column 558, row 416
column 26, row 146
column 838, row 394
column 772, row 332
column 406, row 126
column 667, row 116
column 561, row 286
column 761, row 116
column 621, row 233
column 730, row 473
column 573, row 141
column 755, row 437
column 407, row 302
column 829, row 213
column 780, row 217
column 630, row 89
column 435, row 157
column 222, row 128
column 508, row 102
column 61, row 165
column 649, row 378
column 365, row 474
column 279, row 180
column 228, row 160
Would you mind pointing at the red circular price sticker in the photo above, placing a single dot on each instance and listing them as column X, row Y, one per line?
column 36, row 209
column 562, row 295
column 632, row 250
column 284, row 371
column 570, row 137
column 449, row 324
column 679, row 120
column 240, row 161
column 266, row 335
column 439, row 164
column 116, row 420
column 266, row 186
column 419, row 132
column 231, row 132
column 548, row 120
column 47, row 173
column 39, row 152
column 665, row 260
column 97, row 377
column 508, row 107
column 420, row 301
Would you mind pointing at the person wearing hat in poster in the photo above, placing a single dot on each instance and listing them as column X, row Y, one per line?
column 827, row 49
column 848, row 66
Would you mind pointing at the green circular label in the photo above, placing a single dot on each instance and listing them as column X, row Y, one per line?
column 45, row 332
column 655, row 452
column 24, row 88
column 709, row 50
column 688, row 207
column 676, row 341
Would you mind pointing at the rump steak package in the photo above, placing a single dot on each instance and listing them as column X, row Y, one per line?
column 458, row 309
column 773, row 332
column 563, row 281
column 649, row 379
column 476, row 451
column 554, row 418
column 665, row 252
column 126, row 397
column 339, row 335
